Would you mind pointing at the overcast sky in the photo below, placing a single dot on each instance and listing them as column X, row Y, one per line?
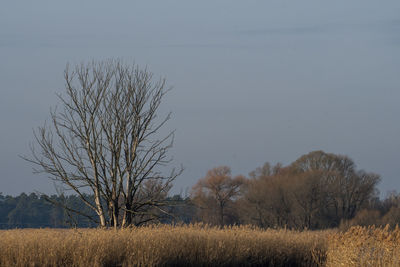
column 254, row 81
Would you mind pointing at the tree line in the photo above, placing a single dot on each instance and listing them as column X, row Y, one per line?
column 317, row 191
column 38, row 211
column 42, row 211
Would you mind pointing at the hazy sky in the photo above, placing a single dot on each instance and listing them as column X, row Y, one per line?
column 254, row 81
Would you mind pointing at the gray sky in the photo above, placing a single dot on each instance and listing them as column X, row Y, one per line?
column 254, row 81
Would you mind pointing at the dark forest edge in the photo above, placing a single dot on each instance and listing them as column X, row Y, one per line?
column 39, row 211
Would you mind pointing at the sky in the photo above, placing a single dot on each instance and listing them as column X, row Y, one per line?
column 253, row 81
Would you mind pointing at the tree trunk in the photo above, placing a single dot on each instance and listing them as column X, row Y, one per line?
column 127, row 218
column 221, row 210
column 100, row 211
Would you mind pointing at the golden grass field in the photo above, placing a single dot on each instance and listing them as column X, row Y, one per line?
column 198, row 245
column 361, row 246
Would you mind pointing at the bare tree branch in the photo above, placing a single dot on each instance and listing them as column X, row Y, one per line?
column 105, row 140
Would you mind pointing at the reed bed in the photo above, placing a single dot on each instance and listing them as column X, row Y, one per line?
column 162, row 245
column 364, row 246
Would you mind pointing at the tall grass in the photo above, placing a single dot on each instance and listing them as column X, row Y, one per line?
column 364, row 246
column 163, row 245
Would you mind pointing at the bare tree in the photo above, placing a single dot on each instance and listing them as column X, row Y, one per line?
column 347, row 188
column 309, row 198
column 265, row 171
column 105, row 140
column 267, row 201
column 217, row 191
column 316, row 191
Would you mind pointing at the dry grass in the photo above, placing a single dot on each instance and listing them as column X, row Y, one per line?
column 198, row 245
column 362, row 246
column 162, row 246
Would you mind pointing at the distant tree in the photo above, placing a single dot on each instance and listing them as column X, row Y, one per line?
column 30, row 211
column 266, row 171
column 35, row 211
column 319, row 190
column 263, row 171
column 105, row 139
column 182, row 210
column 348, row 189
column 266, row 201
column 214, row 193
column 392, row 217
column 309, row 198
column 365, row 217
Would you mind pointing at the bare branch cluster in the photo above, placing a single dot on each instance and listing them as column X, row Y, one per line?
column 105, row 138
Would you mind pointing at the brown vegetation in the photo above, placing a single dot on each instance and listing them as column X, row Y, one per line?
column 200, row 245
column 364, row 246
column 318, row 191
column 162, row 246
column 214, row 196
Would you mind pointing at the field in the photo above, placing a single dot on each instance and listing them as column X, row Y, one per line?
column 199, row 245
column 361, row 246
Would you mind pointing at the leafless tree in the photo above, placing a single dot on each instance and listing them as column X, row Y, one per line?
column 105, row 139
column 347, row 188
column 267, row 201
column 318, row 190
column 217, row 191
column 309, row 198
